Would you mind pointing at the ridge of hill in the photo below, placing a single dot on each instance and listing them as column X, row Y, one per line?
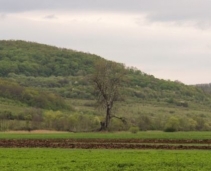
column 205, row 87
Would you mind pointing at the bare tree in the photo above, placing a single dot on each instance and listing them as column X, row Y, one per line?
column 108, row 78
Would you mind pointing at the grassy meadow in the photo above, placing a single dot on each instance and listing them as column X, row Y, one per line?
column 114, row 160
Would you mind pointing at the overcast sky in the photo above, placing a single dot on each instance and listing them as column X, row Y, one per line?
column 170, row 39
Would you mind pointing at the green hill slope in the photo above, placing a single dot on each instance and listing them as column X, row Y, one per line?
column 42, row 76
column 64, row 71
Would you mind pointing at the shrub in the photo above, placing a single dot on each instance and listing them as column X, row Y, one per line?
column 169, row 129
column 134, row 129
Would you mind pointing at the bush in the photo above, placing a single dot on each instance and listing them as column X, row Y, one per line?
column 117, row 125
column 134, row 129
column 182, row 104
column 169, row 129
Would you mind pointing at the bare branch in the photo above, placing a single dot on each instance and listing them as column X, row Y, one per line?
column 123, row 119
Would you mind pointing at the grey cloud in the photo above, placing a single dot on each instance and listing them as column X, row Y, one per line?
column 28, row 5
column 179, row 11
column 52, row 16
column 158, row 7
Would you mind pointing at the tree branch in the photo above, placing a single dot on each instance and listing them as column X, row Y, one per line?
column 121, row 118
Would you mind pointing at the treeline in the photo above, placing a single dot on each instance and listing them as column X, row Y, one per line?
column 31, row 96
column 35, row 119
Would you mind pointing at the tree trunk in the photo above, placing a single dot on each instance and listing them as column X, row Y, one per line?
column 108, row 116
column 104, row 125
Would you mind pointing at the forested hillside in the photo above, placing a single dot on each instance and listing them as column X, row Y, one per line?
column 51, row 78
column 32, row 59
column 64, row 71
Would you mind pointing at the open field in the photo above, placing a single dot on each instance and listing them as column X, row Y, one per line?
column 27, row 159
column 105, row 135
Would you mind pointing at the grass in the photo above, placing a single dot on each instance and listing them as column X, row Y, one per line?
column 113, row 160
column 107, row 135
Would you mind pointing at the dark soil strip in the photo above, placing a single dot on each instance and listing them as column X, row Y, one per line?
column 108, row 144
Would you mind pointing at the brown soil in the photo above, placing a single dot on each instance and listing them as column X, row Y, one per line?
column 107, row 144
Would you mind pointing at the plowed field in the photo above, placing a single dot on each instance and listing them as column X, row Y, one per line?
column 107, row 143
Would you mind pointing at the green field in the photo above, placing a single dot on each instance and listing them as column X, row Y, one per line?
column 103, row 160
column 109, row 135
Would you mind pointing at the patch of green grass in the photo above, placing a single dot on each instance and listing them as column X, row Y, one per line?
column 113, row 160
column 109, row 135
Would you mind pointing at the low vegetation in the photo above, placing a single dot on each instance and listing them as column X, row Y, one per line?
column 31, row 96
column 77, row 160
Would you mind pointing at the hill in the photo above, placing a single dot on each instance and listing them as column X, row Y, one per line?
column 38, row 65
column 51, row 78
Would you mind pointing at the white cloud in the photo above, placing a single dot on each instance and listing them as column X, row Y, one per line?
column 2, row 16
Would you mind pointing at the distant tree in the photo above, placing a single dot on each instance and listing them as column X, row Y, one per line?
column 108, row 79
column 172, row 124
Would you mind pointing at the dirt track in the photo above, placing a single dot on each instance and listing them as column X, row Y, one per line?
column 107, row 144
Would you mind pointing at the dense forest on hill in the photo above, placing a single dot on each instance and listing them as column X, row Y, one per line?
column 32, row 59
column 37, row 76
column 64, row 71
